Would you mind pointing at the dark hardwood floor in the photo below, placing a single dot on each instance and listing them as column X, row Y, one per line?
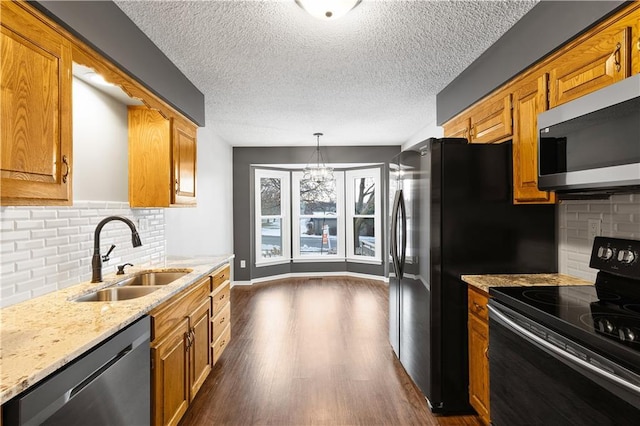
column 311, row 352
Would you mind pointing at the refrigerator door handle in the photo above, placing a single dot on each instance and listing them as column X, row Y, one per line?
column 403, row 213
column 394, row 232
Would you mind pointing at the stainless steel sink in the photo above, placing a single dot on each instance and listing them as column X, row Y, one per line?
column 152, row 278
column 117, row 293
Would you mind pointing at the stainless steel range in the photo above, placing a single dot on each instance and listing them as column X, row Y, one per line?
column 569, row 355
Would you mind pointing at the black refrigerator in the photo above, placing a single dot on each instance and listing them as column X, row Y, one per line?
column 452, row 214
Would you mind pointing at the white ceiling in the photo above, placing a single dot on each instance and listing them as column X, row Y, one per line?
column 273, row 75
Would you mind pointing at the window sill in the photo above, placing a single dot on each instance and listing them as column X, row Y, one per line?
column 367, row 260
column 272, row 262
column 318, row 259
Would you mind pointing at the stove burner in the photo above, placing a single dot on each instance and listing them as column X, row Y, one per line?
column 553, row 297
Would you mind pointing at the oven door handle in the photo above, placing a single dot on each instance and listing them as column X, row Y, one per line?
column 498, row 316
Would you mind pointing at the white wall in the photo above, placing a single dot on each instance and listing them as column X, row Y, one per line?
column 100, row 145
column 620, row 217
column 207, row 228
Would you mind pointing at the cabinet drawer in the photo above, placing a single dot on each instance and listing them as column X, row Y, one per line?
column 478, row 304
column 220, row 298
column 219, row 346
column 221, row 321
column 177, row 308
column 219, row 277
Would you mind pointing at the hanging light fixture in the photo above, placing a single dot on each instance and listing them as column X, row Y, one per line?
column 317, row 171
column 327, row 9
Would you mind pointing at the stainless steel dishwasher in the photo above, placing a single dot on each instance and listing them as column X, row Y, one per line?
column 108, row 385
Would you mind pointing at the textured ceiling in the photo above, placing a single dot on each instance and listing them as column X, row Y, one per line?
column 273, row 75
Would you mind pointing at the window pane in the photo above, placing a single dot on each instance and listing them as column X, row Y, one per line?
column 270, row 196
column 318, row 236
column 271, row 232
column 364, row 236
column 364, row 195
column 317, row 198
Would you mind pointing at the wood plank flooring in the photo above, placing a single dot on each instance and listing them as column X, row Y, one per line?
column 311, row 352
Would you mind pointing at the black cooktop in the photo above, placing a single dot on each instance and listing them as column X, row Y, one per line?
column 597, row 318
column 604, row 317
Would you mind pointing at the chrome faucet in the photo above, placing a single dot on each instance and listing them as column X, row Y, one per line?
column 96, row 261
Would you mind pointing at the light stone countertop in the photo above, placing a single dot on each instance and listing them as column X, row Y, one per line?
column 39, row 336
column 483, row 282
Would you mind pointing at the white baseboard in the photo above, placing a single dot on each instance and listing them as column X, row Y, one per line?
column 311, row 275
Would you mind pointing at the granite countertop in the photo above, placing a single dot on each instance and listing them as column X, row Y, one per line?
column 483, row 282
column 41, row 335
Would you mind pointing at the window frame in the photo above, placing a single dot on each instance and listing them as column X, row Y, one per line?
column 285, row 215
column 350, row 197
column 296, row 178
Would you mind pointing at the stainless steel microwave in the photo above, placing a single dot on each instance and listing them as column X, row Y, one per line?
column 592, row 144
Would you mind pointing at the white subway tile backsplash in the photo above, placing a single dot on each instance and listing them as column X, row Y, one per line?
column 28, row 265
column 620, row 217
column 43, row 233
column 44, row 249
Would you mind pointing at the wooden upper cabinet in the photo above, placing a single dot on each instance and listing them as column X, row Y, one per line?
column 488, row 122
column 599, row 61
column 184, row 162
column 162, row 159
column 529, row 100
column 35, row 109
column 457, row 128
column 491, row 121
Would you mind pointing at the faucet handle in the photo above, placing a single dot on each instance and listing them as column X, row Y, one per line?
column 105, row 258
column 121, row 268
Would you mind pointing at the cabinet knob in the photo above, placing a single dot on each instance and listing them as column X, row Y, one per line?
column 222, row 320
column 177, row 186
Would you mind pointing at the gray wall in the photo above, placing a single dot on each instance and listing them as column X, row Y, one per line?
column 243, row 218
column 540, row 32
column 105, row 27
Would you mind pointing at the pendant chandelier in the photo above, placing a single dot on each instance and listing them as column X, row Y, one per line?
column 318, row 171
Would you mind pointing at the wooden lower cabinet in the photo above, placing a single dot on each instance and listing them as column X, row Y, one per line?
column 478, row 331
column 200, row 355
column 221, row 317
column 181, row 333
column 170, row 390
column 189, row 332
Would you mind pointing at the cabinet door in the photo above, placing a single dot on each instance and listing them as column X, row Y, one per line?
column 170, row 376
column 457, row 128
column 35, row 108
column 149, row 158
column 479, row 366
column 529, row 100
column 184, row 163
column 595, row 63
column 491, row 121
column 199, row 353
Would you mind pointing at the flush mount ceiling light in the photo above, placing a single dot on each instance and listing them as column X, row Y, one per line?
column 327, row 9
column 318, row 171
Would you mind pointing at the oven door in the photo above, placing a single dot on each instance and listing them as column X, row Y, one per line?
column 538, row 377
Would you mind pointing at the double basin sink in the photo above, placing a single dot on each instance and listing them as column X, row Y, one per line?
column 133, row 287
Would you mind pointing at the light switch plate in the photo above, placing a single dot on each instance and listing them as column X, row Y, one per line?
column 243, row 263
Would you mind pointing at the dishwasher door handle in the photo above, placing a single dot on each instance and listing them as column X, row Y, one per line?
column 76, row 390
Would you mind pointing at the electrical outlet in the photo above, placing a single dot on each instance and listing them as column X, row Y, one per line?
column 594, row 228
column 243, row 263
column 143, row 224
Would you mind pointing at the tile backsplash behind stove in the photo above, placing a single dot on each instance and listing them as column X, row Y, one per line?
column 620, row 216
column 43, row 249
